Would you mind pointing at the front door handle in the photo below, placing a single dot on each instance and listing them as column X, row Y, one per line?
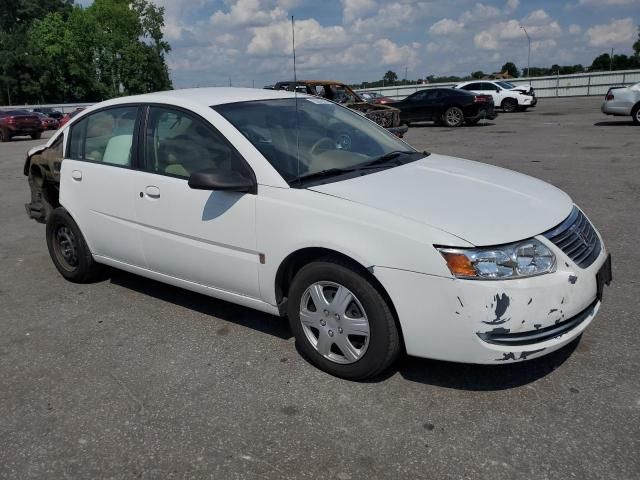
column 152, row 191
column 76, row 175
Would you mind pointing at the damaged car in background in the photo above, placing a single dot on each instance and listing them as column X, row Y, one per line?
column 369, row 247
column 383, row 115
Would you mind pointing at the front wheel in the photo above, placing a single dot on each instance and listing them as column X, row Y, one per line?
column 341, row 322
column 453, row 117
column 68, row 249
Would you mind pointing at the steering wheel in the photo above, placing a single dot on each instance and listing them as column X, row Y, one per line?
column 324, row 142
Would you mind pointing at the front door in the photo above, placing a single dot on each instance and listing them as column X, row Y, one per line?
column 97, row 185
column 205, row 237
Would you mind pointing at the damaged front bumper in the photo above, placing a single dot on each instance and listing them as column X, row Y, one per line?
column 488, row 322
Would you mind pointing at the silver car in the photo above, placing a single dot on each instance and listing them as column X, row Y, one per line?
column 623, row 101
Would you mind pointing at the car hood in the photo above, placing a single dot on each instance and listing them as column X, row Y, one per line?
column 482, row 204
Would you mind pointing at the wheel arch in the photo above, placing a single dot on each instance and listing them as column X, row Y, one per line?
column 293, row 262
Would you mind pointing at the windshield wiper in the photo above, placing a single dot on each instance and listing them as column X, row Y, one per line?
column 390, row 156
column 330, row 172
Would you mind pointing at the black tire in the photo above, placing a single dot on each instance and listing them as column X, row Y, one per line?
column 36, row 136
column 453, row 117
column 635, row 114
column 4, row 135
column 509, row 105
column 68, row 249
column 383, row 344
column 408, row 124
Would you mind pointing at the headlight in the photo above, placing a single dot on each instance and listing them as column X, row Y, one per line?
column 516, row 260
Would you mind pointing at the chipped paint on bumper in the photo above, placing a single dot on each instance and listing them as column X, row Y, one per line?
column 442, row 317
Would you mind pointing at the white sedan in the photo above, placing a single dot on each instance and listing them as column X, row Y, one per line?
column 297, row 206
column 505, row 95
column 623, row 101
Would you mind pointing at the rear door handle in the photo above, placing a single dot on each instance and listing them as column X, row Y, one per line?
column 76, row 175
column 152, row 191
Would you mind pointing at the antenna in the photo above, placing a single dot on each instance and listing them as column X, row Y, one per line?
column 295, row 93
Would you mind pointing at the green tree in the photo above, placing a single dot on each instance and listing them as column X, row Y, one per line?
column 636, row 45
column 511, row 69
column 390, row 78
column 478, row 75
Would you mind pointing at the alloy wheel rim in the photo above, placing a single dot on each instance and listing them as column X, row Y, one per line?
column 334, row 322
column 66, row 246
column 453, row 116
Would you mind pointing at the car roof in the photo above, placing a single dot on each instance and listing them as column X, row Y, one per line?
column 204, row 96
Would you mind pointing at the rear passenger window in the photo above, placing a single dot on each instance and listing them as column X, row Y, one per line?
column 105, row 136
column 179, row 144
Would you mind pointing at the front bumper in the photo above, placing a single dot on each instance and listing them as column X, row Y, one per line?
column 459, row 320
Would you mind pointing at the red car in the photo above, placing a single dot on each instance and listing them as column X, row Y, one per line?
column 69, row 116
column 17, row 123
column 48, row 123
column 373, row 97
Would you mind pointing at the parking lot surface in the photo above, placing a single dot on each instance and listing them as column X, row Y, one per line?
column 129, row 378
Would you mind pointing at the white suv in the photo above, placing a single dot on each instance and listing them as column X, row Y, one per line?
column 505, row 95
column 298, row 206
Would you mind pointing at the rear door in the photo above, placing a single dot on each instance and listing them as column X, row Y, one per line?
column 97, row 184
column 205, row 237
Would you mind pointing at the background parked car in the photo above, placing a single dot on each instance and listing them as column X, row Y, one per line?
column 448, row 106
column 16, row 123
column 49, row 112
column 69, row 116
column 623, row 101
column 509, row 99
column 48, row 123
column 373, row 97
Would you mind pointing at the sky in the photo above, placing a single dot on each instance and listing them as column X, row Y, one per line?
column 248, row 42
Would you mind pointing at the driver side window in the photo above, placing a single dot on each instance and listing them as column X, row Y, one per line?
column 179, row 144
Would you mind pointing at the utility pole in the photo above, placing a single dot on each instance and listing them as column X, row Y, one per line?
column 611, row 60
column 529, row 52
column 405, row 72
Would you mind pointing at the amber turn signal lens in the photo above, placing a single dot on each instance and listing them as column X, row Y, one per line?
column 459, row 264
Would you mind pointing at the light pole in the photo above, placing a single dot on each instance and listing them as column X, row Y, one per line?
column 611, row 60
column 529, row 52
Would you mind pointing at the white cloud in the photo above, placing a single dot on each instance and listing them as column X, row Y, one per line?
column 537, row 16
column 446, row 26
column 247, row 13
column 354, row 9
column 495, row 37
column 512, row 6
column 575, row 29
column 618, row 32
column 480, row 12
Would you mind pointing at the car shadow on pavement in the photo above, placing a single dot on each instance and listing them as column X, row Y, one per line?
column 619, row 123
column 229, row 312
column 471, row 377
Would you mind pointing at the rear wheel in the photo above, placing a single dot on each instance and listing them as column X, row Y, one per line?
column 341, row 322
column 453, row 117
column 36, row 136
column 4, row 135
column 509, row 105
column 68, row 249
column 635, row 114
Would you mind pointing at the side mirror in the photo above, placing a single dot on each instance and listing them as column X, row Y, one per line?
column 498, row 90
column 221, row 180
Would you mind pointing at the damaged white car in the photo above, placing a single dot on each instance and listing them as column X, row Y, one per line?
column 295, row 205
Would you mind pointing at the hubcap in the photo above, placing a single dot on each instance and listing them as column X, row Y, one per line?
column 66, row 246
column 334, row 322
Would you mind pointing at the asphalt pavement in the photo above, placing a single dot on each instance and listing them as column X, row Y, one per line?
column 130, row 378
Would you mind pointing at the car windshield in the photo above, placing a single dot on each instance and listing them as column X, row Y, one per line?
column 506, row 85
column 317, row 140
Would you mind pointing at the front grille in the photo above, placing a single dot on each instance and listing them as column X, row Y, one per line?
column 577, row 238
